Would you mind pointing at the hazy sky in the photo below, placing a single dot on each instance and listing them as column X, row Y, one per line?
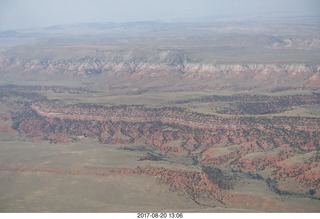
column 35, row 13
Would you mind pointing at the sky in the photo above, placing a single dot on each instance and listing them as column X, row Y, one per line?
column 15, row 14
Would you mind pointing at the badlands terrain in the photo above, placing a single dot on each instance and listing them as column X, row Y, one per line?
column 215, row 116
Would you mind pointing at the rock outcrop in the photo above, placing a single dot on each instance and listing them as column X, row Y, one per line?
column 140, row 69
column 247, row 144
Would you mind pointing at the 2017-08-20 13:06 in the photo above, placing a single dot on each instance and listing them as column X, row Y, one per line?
column 159, row 215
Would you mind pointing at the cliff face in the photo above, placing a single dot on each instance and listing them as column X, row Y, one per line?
column 174, row 65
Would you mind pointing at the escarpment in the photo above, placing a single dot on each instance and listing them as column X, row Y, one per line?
column 248, row 144
column 169, row 65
